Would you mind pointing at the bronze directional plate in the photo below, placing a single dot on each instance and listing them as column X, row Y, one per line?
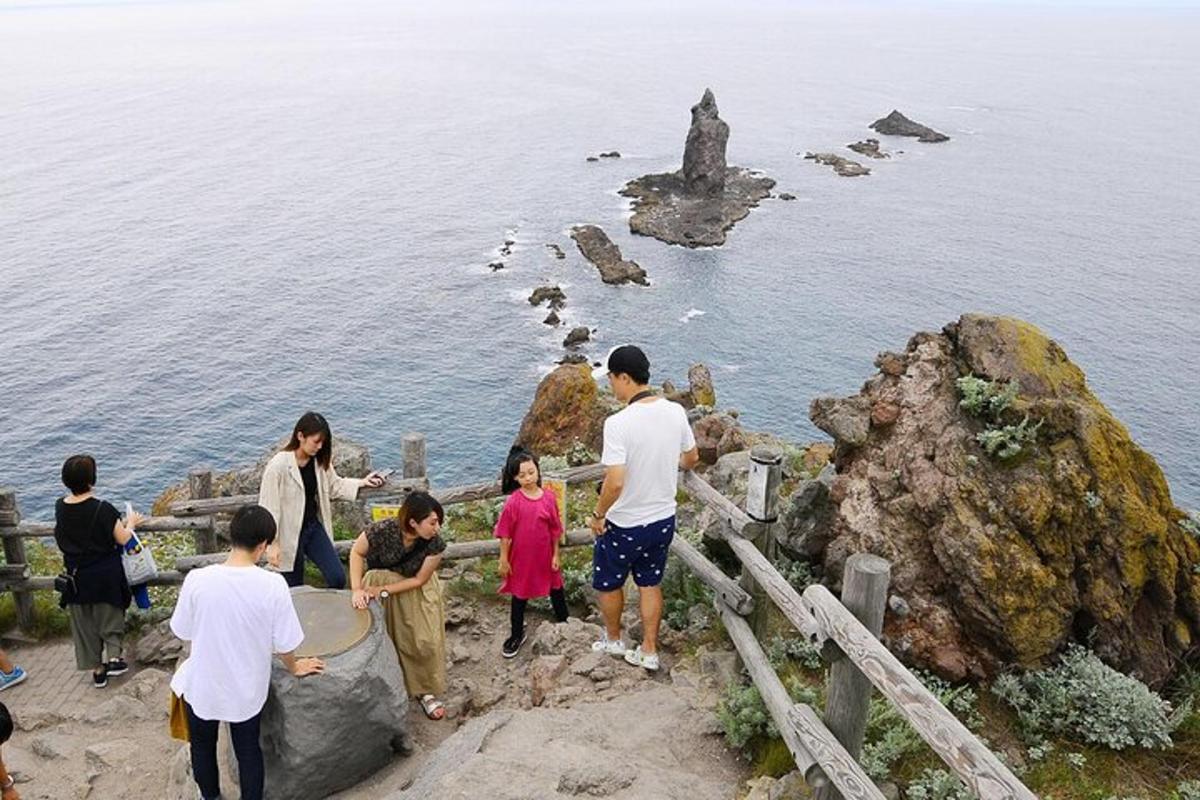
column 331, row 625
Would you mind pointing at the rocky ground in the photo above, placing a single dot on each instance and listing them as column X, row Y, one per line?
column 556, row 721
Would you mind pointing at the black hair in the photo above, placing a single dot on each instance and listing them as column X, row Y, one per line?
column 629, row 360
column 311, row 423
column 417, row 507
column 79, row 473
column 251, row 526
column 6, row 724
column 517, row 456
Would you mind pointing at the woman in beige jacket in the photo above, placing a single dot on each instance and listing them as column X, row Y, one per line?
column 296, row 488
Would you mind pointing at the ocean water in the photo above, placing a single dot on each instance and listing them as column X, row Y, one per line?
column 216, row 215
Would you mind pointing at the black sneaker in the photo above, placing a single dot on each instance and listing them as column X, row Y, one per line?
column 116, row 666
column 512, row 646
column 100, row 679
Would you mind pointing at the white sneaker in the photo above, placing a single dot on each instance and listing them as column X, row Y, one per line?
column 614, row 647
column 644, row 660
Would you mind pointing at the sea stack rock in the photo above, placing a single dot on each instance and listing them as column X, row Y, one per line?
column 698, row 204
column 704, row 152
column 896, row 124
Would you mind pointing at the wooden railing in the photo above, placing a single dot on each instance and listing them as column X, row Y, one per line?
column 824, row 747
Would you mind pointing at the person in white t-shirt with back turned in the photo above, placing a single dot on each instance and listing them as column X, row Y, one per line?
column 236, row 615
column 645, row 446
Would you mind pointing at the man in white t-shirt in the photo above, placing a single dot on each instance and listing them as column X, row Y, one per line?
column 236, row 615
column 645, row 446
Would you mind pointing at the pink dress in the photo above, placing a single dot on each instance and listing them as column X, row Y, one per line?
column 533, row 526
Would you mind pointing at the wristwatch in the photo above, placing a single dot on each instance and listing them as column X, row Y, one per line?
column 384, row 594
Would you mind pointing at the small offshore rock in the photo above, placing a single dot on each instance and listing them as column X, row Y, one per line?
column 592, row 158
column 556, row 251
column 550, row 294
column 552, row 319
column 573, row 358
column 869, row 148
column 896, row 124
column 597, row 248
column 577, row 336
column 496, row 266
column 610, row 154
column 842, row 166
column 786, row 196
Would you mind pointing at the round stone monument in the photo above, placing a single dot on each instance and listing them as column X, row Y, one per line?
column 324, row 733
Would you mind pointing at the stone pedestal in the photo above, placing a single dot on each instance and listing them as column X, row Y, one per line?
column 324, row 733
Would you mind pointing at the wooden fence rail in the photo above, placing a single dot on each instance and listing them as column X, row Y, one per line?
column 824, row 750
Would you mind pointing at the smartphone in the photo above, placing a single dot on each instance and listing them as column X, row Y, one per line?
column 384, row 473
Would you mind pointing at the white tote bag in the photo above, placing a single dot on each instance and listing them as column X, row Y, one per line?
column 137, row 559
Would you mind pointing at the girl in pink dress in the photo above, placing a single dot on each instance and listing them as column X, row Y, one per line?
column 528, row 529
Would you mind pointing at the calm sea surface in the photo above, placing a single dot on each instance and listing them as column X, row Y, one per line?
column 216, row 215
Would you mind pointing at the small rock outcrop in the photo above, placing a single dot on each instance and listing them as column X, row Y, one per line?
column 548, row 294
column 556, row 251
column 697, row 205
column 896, row 124
column 597, row 248
column 1002, row 561
column 577, row 336
column 567, row 407
column 869, row 148
column 842, row 166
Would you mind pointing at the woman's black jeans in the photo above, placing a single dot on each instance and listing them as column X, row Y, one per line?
column 314, row 543
column 203, row 736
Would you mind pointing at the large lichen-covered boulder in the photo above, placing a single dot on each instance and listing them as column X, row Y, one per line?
column 568, row 407
column 1003, row 561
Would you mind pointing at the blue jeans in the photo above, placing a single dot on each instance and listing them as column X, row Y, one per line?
column 315, row 544
column 202, row 734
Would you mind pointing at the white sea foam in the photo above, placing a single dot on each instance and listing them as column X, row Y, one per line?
column 692, row 312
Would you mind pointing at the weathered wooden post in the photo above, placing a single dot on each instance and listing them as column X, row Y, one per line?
column 14, row 553
column 200, row 488
column 864, row 594
column 762, row 501
column 413, row 445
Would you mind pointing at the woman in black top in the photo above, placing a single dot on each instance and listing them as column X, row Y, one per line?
column 90, row 534
column 396, row 561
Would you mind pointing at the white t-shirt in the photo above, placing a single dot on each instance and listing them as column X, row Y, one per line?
column 236, row 618
column 648, row 439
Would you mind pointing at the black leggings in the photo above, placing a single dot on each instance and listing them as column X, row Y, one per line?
column 558, row 599
column 203, row 735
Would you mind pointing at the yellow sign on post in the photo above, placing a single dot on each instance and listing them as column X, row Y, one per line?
column 379, row 512
column 559, row 487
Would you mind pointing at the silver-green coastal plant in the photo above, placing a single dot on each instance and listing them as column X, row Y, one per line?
column 984, row 398
column 937, row 784
column 1083, row 698
column 1008, row 441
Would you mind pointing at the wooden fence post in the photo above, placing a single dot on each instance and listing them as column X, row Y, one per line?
column 413, row 445
column 762, row 501
column 864, row 594
column 200, row 488
column 14, row 554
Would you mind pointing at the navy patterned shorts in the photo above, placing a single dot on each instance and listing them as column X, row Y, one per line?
column 641, row 550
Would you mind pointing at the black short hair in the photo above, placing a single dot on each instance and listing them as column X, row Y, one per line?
column 251, row 526
column 6, row 724
column 517, row 456
column 629, row 360
column 79, row 473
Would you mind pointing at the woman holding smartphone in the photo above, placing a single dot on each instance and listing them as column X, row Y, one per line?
column 297, row 486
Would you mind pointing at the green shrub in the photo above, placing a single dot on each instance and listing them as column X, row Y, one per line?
column 743, row 715
column 890, row 739
column 1007, row 441
column 937, row 784
column 798, row 573
column 983, row 398
column 1085, row 699
column 681, row 590
column 1187, row 790
column 1191, row 524
column 782, row 649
